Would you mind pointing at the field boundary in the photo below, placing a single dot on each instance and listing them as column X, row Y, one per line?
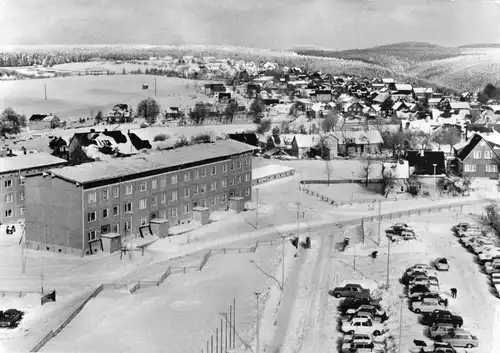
column 171, row 270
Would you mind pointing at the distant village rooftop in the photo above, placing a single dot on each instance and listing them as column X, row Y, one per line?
column 28, row 161
column 122, row 167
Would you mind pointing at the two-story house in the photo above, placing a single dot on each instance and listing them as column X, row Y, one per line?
column 478, row 157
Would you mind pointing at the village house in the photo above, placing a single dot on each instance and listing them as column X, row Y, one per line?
column 324, row 95
column 396, row 176
column 302, row 144
column 354, row 108
column 402, row 91
column 480, row 156
column 342, row 143
column 43, row 122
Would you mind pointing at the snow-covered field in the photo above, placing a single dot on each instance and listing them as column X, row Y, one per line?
column 178, row 316
column 349, row 192
column 475, row 302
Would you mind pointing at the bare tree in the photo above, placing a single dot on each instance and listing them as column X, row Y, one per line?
column 328, row 171
column 387, row 181
column 329, row 122
column 366, row 168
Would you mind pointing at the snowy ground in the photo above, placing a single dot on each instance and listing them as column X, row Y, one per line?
column 349, row 192
column 314, row 331
column 178, row 316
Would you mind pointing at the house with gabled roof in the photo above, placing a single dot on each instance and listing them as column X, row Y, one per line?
column 479, row 157
column 43, row 122
column 302, row 144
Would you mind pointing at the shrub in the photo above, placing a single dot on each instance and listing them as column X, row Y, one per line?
column 144, row 125
column 160, row 137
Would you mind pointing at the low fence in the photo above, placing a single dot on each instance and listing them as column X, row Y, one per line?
column 66, row 322
column 415, row 212
column 20, row 294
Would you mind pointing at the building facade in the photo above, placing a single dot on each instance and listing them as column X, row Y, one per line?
column 479, row 158
column 13, row 171
column 68, row 210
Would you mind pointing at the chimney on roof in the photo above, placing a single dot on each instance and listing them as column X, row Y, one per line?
column 105, row 130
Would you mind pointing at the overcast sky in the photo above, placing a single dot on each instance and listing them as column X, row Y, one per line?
column 275, row 24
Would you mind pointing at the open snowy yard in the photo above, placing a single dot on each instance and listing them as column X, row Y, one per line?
column 349, row 192
column 180, row 315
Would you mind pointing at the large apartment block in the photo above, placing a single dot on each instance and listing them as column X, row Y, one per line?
column 13, row 171
column 70, row 208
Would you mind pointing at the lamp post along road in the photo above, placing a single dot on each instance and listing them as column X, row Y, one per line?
column 257, row 333
column 379, row 220
column 388, row 262
column 402, row 297
column 435, row 165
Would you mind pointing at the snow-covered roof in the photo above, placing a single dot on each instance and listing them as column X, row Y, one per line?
column 400, row 169
column 459, row 105
column 306, row 141
column 403, row 87
column 269, row 170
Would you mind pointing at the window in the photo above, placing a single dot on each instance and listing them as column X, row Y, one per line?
column 223, row 182
column 127, row 225
column 186, row 192
column 143, row 186
column 105, row 229
column 238, row 164
column 23, row 180
column 143, row 203
column 204, row 172
column 154, row 184
column 92, row 197
column 470, row 168
column 488, row 155
column 144, row 220
column 115, row 228
column 129, row 189
column 22, row 210
column 232, row 165
column 116, row 210
column 203, row 188
column 173, row 212
column 7, row 184
column 186, row 209
column 477, row 154
column 187, row 176
column 196, row 189
column 196, row 174
column 224, row 168
column 173, row 179
column 8, row 198
column 116, row 192
column 92, row 235
column 239, row 179
column 163, row 198
column 212, row 201
column 153, row 201
column 247, row 191
column 491, row 168
column 248, row 161
column 232, row 181
column 224, row 198
column 203, row 203
column 104, row 194
column 128, row 207
column 173, row 196
column 105, row 213
column 163, row 182
column 91, row 217
column 213, row 186
column 163, row 214
column 247, row 177
column 214, row 170
column 8, row 213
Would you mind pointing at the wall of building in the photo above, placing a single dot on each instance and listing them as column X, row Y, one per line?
column 481, row 162
column 176, row 211
column 53, row 215
column 39, row 125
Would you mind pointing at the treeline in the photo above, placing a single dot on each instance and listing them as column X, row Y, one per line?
column 490, row 91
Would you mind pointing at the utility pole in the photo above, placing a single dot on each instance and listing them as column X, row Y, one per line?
column 155, row 86
column 45, row 90
column 298, row 222
column 379, row 221
column 257, row 211
column 402, row 297
column 283, row 265
column 257, row 344
column 388, row 262
column 354, row 255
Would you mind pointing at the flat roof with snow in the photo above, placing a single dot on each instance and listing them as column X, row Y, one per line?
column 269, row 170
column 28, row 161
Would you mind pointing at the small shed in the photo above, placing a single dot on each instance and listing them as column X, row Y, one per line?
column 159, row 227
column 111, row 242
column 237, row 203
column 201, row 215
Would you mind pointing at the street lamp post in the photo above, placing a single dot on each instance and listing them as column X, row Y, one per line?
column 435, row 165
column 379, row 220
column 402, row 297
column 257, row 333
column 388, row 262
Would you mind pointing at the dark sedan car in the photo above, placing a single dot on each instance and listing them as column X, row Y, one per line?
column 10, row 318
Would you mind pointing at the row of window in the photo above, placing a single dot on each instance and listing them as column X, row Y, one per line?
column 487, row 154
column 9, row 183
column 143, row 204
column 10, row 212
column 9, row 198
column 490, row 168
column 92, row 197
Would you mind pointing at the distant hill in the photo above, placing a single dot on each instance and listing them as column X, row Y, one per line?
column 481, row 45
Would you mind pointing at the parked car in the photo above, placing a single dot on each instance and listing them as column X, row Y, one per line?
column 365, row 314
column 356, row 302
column 461, row 338
column 367, row 308
column 481, row 246
column 419, row 298
column 463, row 226
column 418, row 291
column 489, row 255
column 351, row 290
column 10, row 318
column 438, row 330
column 492, row 267
column 442, row 264
column 398, row 228
column 363, row 325
column 470, row 232
column 362, row 348
column 426, row 306
column 357, row 338
column 469, row 241
column 408, row 235
column 444, row 316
